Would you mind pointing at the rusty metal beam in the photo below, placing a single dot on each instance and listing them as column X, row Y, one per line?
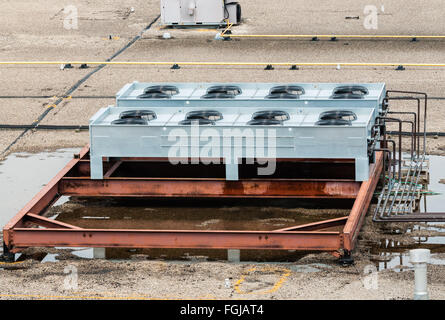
column 48, row 223
column 112, row 169
column 361, row 204
column 293, row 238
column 317, row 225
column 155, row 187
column 47, row 196
column 218, row 239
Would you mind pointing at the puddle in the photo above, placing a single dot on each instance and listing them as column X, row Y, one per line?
column 22, row 176
column 395, row 255
column 400, row 261
column 50, row 257
column 188, row 215
column 435, row 203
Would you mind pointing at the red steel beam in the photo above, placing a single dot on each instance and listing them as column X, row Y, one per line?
column 47, row 196
column 48, row 223
column 317, row 225
column 292, row 238
column 166, row 187
column 215, row 239
column 361, row 204
column 113, row 168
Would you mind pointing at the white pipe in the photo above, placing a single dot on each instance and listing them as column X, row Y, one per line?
column 419, row 258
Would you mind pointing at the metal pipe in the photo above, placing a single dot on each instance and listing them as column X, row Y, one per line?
column 418, row 115
column 400, row 140
column 419, row 258
column 393, row 156
column 425, row 96
column 413, row 129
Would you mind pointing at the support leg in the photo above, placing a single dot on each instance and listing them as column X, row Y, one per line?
column 361, row 169
column 7, row 256
column 97, row 170
column 233, row 255
column 346, row 258
column 232, row 171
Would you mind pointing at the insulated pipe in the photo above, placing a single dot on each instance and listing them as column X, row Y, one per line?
column 425, row 96
column 400, row 141
column 418, row 117
column 413, row 127
column 419, row 258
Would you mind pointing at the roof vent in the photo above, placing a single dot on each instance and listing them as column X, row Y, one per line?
column 349, row 92
column 229, row 89
column 159, row 92
column 264, row 122
column 200, row 122
column 148, row 115
column 222, row 92
column 212, row 115
column 338, row 115
column 333, row 122
column 130, row 121
column 285, row 92
column 271, row 115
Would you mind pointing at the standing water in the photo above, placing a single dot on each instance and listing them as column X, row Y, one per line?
column 23, row 175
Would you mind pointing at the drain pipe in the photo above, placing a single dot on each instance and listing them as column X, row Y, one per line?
column 419, row 258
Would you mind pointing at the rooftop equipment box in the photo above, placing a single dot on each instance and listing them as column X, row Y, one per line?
column 199, row 12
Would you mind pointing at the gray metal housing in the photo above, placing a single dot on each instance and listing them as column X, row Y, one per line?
column 299, row 137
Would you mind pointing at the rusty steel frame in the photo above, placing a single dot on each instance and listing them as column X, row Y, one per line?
column 21, row 232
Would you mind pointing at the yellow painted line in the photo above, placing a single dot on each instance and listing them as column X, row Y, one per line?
column 358, row 36
column 205, row 30
column 214, row 63
column 112, row 38
column 229, row 25
column 285, row 273
column 11, row 263
column 51, row 106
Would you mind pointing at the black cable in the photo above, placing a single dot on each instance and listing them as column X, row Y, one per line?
column 65, row 97
column 43, row 127
column 226, row 11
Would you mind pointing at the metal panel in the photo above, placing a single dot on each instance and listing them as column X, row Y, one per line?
column 170, row 11
column 192, row 12
column 297, row 137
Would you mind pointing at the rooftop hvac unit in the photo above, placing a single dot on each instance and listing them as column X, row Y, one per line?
column 199, row 12
column 305, row 121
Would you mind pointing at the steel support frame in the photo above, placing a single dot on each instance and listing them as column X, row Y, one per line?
column 21, row 233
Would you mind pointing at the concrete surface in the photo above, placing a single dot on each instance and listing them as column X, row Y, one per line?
column 31, row 30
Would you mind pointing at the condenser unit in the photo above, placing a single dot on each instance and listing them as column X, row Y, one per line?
column 199, row 12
